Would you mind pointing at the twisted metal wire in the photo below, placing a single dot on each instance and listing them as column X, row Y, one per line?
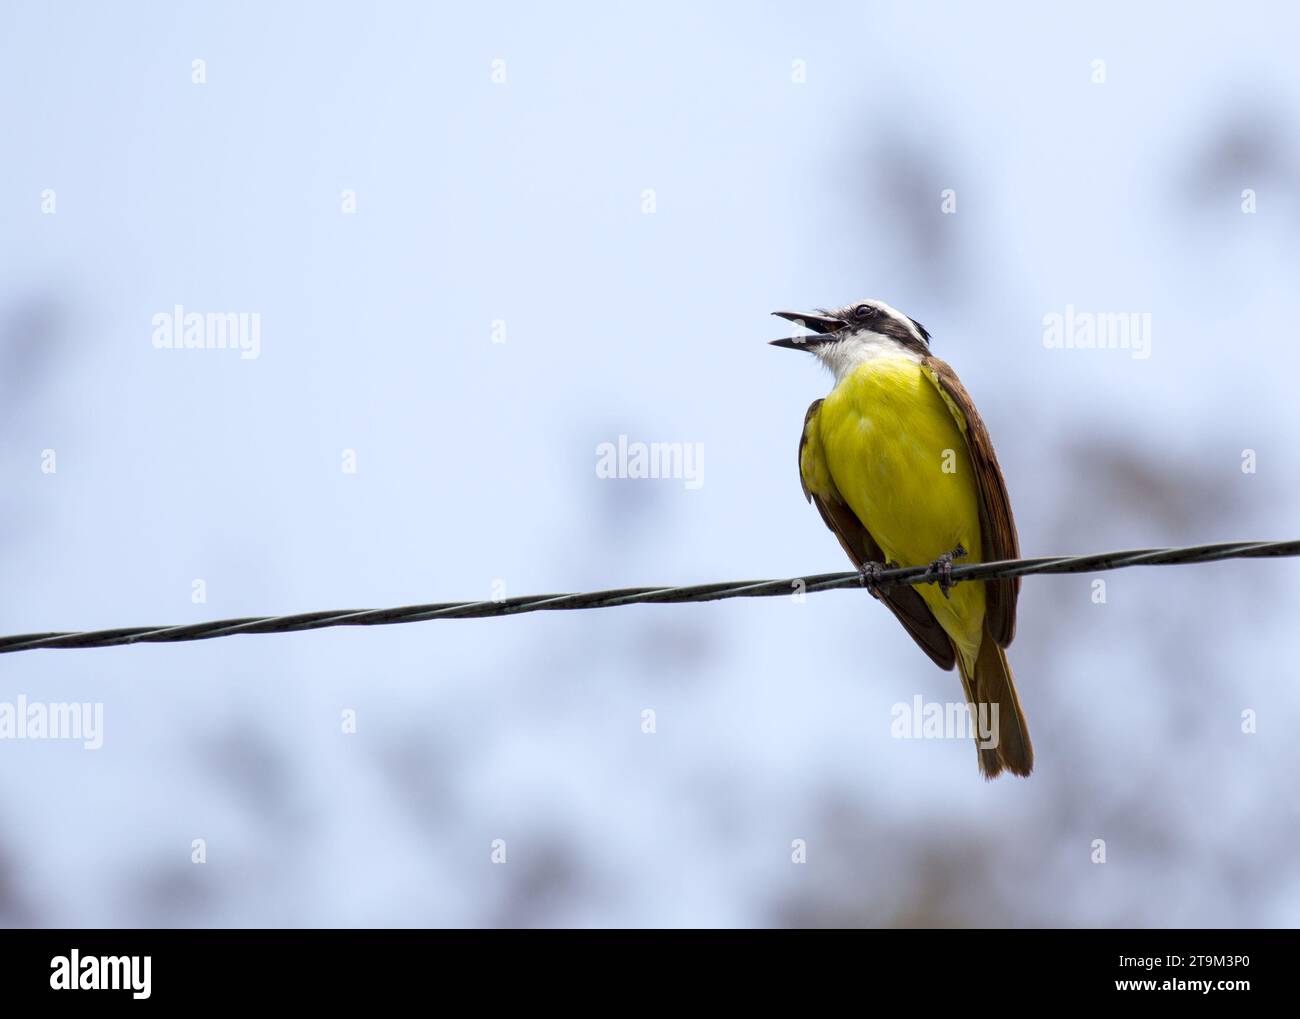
column 646, row 595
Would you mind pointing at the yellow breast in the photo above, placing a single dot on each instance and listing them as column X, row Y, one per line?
column 890, row 445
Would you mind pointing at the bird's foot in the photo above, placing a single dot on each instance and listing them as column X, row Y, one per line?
column 940, row 571
column 869, row 576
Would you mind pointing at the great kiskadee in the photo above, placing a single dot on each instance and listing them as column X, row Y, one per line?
column 902, row 470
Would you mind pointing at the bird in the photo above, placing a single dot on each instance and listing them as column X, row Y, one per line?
column 902, row 470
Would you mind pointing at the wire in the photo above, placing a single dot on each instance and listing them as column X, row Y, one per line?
column 647, row 595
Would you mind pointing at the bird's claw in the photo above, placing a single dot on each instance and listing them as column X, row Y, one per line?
column 940, row 571
column 869, row 576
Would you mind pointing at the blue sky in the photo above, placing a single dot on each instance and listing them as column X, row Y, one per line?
column 522, row 203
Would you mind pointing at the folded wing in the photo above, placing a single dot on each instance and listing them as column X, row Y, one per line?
column 997, row 525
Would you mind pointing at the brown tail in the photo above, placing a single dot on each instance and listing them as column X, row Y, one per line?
column 993, row 684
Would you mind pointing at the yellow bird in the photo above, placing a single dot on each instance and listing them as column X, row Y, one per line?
column 902, row 469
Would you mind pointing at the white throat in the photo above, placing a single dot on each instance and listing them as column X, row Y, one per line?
column 844, row 356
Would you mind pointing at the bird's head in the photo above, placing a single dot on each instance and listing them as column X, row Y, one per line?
column 842, row 337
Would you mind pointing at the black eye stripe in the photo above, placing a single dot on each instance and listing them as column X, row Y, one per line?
column 863, row 311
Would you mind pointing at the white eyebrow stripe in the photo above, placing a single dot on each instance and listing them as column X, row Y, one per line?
column 901, row 319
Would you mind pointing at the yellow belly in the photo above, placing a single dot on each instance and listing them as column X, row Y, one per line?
column 898, row 458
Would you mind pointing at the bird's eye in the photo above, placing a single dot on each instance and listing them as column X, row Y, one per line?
column 863, row 311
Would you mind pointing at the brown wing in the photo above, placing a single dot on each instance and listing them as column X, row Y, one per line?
column 906, row 604
column 997, row 525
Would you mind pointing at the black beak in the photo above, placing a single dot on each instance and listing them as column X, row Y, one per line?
column 823, row 328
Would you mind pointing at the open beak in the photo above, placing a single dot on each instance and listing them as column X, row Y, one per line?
column 823, row 329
